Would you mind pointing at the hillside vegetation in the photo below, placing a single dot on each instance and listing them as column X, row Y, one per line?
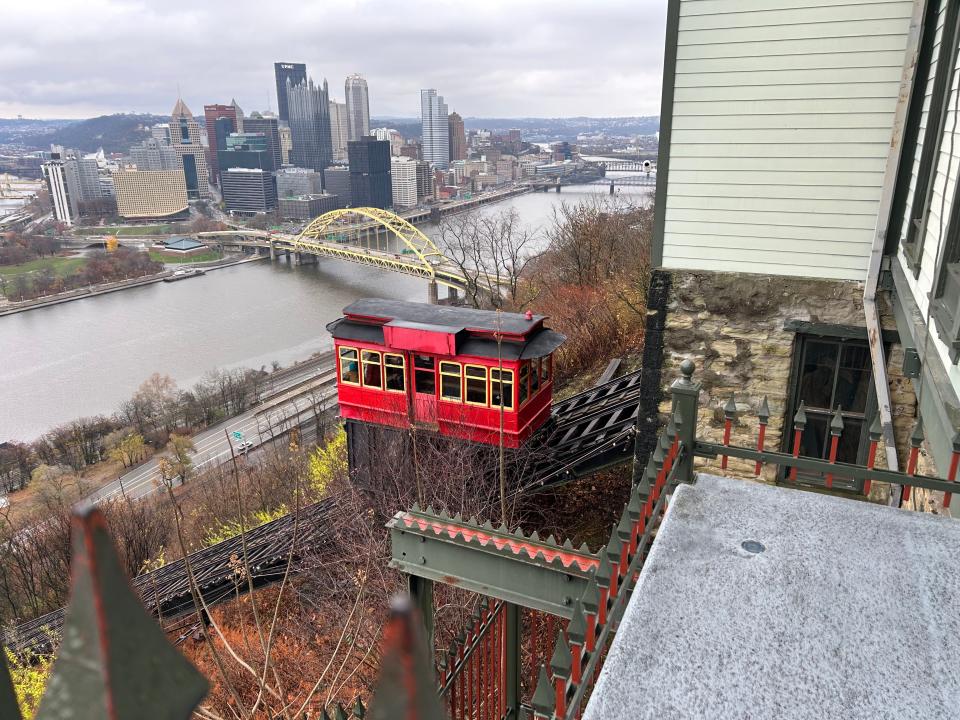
column 114, row 133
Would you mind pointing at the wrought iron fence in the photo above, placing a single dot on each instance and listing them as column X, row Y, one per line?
column 472, row 673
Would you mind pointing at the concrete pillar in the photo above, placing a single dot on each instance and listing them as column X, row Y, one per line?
column 558, row 187
column 298, row 258
column 432, row 293
column 273, row 250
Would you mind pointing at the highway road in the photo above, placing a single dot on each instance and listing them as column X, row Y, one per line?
column 306, row 390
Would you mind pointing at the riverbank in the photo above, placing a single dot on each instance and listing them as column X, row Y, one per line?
column 11, row 308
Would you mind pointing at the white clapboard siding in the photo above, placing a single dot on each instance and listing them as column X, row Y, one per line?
column 780, row 127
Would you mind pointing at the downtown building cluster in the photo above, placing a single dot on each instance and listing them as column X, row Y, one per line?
column 313, row 155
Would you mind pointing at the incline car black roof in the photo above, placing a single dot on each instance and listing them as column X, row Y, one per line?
column 537, row 341
column 441, row 316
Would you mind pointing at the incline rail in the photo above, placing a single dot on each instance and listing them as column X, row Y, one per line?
column 218, row 571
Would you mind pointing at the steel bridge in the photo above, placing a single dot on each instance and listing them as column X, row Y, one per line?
column 648, row 180
column 364, row 235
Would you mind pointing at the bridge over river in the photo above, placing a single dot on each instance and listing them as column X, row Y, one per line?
column 364, row 235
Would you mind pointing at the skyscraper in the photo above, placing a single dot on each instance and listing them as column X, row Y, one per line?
column 435, row 128
column 153, row 154
column 215, row 132
column 269, row 126
column 370, row 184
column 185, row 139
column 247, row 150
column 296, row 73
column 150, row 193
column 248, row 191
column 403, row 179
column 338, row 130
column 458, row 138
column 64, row 205
column 309, row 118
column 358, row 106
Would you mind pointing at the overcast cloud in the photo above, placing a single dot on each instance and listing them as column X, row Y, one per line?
column 79, row 58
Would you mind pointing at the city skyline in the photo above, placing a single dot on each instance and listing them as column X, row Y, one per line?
column 545, row 64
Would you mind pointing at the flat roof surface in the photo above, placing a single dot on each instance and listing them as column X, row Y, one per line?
column 849, row 611
column 444, row 315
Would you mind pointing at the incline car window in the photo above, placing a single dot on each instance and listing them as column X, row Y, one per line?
column 476, row 391
column 349, row 370
column 507, row 388
column 372, row 377
column 524, row 382
column 425, row 380
column 393, row 372
column 450, row 381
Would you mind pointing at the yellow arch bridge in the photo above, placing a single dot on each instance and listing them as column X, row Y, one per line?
column 369, row 236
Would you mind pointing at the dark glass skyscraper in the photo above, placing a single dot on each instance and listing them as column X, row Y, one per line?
column 296, row 73
column 309, row 120
column 370, row 182
column 256, row 123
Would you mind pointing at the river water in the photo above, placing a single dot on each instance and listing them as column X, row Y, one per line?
column 87, row 356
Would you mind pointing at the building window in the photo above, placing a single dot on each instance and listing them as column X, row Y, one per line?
column 476, row 384
column 831, row 372
column 372, row 375
column 425, row 378
column 501, row 388
column 450, row 381
column 936, row 75
column 349, row 370
column 945, row 298
column 393, row 372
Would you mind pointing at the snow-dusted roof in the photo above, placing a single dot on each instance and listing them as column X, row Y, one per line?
column 767, row 602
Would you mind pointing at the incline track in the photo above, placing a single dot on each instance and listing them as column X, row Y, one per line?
column 588, row 431
column 217, row 570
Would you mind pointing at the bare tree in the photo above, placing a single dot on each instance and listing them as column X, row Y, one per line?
column 492, row 252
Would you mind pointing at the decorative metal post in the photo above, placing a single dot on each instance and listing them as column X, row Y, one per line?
column 764, row 416
column 952, row 474
column 916, row 440
column 512, row 688
column 876, row 434
column 836, row 429
column 729, row 415
column 799, row 425
column 686, row 405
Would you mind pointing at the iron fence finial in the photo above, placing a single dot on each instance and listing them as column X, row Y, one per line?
column 916, row 437
column 543, row 697
column 764, row 412
column 836, row 425
column 687, row 368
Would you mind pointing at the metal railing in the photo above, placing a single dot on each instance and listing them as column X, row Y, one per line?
column 472, row 673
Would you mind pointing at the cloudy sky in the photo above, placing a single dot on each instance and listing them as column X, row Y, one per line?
column 66, row 58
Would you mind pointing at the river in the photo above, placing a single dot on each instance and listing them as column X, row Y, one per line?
column 87, row 356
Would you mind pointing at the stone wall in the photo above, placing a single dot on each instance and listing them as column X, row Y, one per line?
column 732, row 326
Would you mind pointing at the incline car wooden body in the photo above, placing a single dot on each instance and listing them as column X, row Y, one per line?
column 460, row 372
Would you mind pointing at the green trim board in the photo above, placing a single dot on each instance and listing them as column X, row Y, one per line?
column 666, row 127
column 850, row 332
column 939, row 404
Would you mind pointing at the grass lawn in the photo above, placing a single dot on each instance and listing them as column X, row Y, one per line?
column 172, row 259
column 128, row 231
column 61, row 266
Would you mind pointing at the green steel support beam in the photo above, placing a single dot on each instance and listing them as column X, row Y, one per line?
column 509, row 566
